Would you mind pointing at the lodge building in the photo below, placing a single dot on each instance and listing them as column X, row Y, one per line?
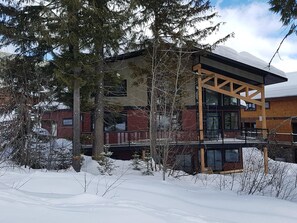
column 208, row 133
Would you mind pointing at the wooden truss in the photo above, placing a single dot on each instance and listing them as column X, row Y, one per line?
column 233, row 88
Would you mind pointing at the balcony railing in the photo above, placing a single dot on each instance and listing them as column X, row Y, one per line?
column 179, row 137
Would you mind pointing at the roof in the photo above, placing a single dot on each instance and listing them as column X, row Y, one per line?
column 242, row 66
column 285, row 89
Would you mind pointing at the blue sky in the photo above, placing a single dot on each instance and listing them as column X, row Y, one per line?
column 257, row 31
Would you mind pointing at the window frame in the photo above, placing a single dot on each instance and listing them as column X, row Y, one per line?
column 116, row 89
column 232, row 127
column 65, row 120
column 231, row 160
column 116, row 116
column 267, row 104
column 250, row 107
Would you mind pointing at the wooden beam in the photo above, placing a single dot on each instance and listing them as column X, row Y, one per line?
column 212, row 76
column 253, row 87
column 232, row 94
column 202, row 161
column 264, row 124
column 239, row 89
column 254, row 94
column 200, row 105
column 206, row 79
column 265, row 154
column 223, row 84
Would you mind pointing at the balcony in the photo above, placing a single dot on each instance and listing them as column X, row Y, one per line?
column 142, row 138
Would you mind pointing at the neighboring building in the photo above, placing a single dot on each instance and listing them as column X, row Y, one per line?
column 281, row 113
column 207, row 128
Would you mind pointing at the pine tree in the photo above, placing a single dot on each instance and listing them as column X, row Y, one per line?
column 23, row 75
column 106, row 22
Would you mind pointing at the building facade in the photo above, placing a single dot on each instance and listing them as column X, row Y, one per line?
column 281, row 112
column 205, row 131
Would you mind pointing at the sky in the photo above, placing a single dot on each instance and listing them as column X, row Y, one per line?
column 257, row 31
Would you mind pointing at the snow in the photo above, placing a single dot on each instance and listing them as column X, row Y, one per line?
column 30, row 196
column 7, row 117
column 284, row 89
column 46, row 105
column 247, row 58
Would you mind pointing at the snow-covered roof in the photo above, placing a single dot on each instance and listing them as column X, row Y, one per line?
column 247, row 58
column 284, row 89
column 52, row 105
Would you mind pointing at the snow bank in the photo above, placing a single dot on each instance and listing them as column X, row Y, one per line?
column 33, row 196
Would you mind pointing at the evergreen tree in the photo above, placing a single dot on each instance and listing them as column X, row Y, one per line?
column 23, row 75
column 106, row 22
column 79, row 34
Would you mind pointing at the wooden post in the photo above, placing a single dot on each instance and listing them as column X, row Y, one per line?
column 200, row 104
column 202, row 162
column 264, row 128
column 265, row 151
column 263, row 110
column 200, row 111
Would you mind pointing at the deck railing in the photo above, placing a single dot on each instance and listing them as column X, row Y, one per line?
column 143, row 136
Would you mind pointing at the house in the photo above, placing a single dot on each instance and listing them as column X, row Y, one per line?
column 281, row 115
column 207, row 133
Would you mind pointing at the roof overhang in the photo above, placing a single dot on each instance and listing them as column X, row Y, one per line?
column 237, row 70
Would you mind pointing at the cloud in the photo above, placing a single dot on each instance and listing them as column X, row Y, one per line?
column 257, row 31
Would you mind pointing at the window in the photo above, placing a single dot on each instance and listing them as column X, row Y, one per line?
column 115, row 122
column 67, row 121
column 267, row 104
column 115, row 88
column 231, row 120
column 163, row 121
column 211, row 97
column 184, row 162
column 250, row 107
column 229, row 101
column 232, row 155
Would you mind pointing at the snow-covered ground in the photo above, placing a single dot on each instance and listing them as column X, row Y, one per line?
column 30, row 196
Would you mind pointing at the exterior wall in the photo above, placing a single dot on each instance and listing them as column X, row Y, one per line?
column 278, row 114
column 137, row 120
column 136, row 93
column 64, row 131
column 57, row 117
column 189, row 121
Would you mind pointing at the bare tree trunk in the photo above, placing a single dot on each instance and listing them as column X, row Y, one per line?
column 98, row 142
column 76, row 126
column 153, row 108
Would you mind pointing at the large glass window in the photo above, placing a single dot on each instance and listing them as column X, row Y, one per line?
column 231, row 120
column 115, row 122
column 115, row 88
column 230, row 101
column 232, row 155
column 211, row 97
